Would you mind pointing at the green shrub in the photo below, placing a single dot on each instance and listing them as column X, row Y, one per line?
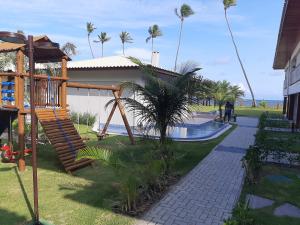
column 241, row 216
column 85, row 118
column 263, row 104
column 252, row 162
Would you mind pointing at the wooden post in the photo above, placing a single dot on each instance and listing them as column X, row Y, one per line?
column 122, row 111
column 113, row 109
column 64, row 74
column 20, row 104
column 0, row 91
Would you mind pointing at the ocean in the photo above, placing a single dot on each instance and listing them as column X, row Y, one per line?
column 270, row 103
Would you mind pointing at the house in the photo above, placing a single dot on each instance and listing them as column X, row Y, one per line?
column 287, row 58
column 106, row 71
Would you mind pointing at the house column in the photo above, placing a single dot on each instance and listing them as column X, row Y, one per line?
column 284, row 108
column 298, row 112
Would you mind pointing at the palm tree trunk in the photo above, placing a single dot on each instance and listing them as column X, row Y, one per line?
column 240, row 61
column 220, row 111
column 152, row 51
column 123, row 49
column 179, row 42
column 102, row 49
column 90, row 46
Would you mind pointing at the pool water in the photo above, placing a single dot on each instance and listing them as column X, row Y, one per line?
column 181, row 132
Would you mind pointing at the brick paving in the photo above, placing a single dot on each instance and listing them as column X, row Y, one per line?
column 207, row 195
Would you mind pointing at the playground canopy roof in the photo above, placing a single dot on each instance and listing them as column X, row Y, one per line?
column 41, row 55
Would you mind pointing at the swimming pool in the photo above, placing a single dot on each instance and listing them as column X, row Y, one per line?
column 181, row 132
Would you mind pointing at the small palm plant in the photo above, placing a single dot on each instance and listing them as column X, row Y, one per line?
column 102, row 38
column 161, row 103
column 69, row 49
column 90, row 29
column 125, row 38
column 185, row 11
column 221, row 94
column 227, row 5
column 154, row 32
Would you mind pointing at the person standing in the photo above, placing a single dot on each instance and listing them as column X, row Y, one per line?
column 228, row 111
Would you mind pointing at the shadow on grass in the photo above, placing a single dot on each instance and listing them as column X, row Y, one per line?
column 6, row 216
column 24, row 193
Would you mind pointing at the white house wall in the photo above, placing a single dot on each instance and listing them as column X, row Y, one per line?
column 94, row 101
column 292, row 73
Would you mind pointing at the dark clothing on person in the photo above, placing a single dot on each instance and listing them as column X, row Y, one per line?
column 228, row 110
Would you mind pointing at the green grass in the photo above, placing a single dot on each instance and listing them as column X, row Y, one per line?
column 86, row 197
column 280, row 192
column 239, row 110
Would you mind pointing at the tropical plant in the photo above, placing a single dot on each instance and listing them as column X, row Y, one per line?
column 252, row 162
column 154, row 32
column 69, row 49
column 221, row 94
column 227, row 5
column 125, row 38
column 236, row 93
column 241, row 216
column 162, row 103
column 263, row 104
column 185, row 11
column 102, row 38
column 90, row 29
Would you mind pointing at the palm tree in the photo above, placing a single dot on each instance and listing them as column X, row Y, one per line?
column 221, row 94
column 125, row 38
column 102, row 38
column 236, row 93
column 185, row 11
column 161, row 104
column 228, row 4
column 69, row 49
column 90, row 29
column 154, row 32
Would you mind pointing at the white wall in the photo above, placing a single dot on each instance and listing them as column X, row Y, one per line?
column 292, row 73
column 93, row 101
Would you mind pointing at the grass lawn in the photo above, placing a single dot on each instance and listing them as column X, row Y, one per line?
column 280, row 192
column 86, row 197
column 239, row 110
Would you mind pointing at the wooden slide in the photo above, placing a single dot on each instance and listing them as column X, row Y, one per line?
column 62, row 134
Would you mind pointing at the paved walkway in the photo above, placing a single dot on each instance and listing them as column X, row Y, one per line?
column 207, row 195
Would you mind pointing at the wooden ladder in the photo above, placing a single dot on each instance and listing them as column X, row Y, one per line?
column 62, row 134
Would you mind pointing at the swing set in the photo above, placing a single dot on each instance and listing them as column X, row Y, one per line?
column 50, row 105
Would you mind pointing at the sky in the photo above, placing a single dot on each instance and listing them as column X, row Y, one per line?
column 205, row 39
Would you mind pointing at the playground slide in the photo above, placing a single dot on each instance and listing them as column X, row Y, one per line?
column 63, row 136
column 6, row 115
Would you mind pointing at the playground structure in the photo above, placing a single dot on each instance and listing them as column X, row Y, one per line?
column 50, row 103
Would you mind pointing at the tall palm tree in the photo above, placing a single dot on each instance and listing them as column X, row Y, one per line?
column 185, row 11
column 102, row 38
column 154, row 32
column 69, row 49
column 227, row 5
column 90, row 29
column 125, row 38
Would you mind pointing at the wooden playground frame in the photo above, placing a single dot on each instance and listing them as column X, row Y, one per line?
column 42, row 99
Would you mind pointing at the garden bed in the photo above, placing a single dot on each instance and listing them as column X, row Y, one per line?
column 92, row 195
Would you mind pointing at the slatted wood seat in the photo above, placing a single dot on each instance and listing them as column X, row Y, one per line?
column 62, row 134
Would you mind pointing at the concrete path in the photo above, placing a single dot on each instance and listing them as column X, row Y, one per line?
column 207, row 195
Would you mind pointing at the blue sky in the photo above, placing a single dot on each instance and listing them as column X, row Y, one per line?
column 205, row 36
